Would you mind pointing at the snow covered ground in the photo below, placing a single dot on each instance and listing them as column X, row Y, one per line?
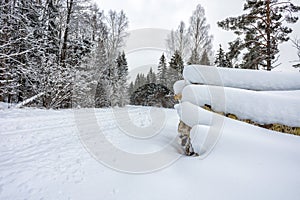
column 42, row 157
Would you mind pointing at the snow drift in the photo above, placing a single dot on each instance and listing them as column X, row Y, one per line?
column 42, row 158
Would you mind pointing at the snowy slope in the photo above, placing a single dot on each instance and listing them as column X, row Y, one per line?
column 245, row 79
column 41, row 157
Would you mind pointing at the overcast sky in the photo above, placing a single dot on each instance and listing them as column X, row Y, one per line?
column 166, row 14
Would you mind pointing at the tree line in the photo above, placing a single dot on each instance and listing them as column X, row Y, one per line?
column 184, row 45
column 69, row 52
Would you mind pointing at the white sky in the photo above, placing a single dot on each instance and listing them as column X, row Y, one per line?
column 166, row 14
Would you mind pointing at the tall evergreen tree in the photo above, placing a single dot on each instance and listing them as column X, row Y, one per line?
column 122, row 71
column 263, row 28
column 175, row 69
column 151, row 76
column 176, row 64
column 140, row 80
column 232, row 55
column 101, row 63
column 131, row 89
column 162, row 70
column 221, row 58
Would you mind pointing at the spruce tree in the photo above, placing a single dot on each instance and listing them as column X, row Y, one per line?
column 263, row 27
column 176, row 64
column 162, row 70
column 122, row 71
column 131, row 89
column 151, row 76
column 220, row 57
column 103, row 87
column 175, row 69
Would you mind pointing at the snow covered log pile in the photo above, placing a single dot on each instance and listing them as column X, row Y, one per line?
column 266, row 99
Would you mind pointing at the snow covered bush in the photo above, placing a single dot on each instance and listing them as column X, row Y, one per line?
column 153, row 95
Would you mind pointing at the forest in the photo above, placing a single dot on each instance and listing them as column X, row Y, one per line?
column 70, row 53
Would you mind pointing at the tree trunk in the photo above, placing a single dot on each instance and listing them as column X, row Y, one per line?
column 65, row 38
column 268, row 32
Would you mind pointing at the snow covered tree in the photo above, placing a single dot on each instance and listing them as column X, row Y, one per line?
column 296, row 45
column 69, row 10
column 115, row 86
column 204, row 59
column 200, row 40
column 151, row 76
column 122, row 71
column 175, row 69
column 152, row 94
column 162, row 70
column 176, row 64
column 21, row 48
column 130, row 89
column 234, row 52
column 117, row 24
column 44, row 44
column 220, row 57
column 140, row 81
column 263, row 27
column 194, row 58
column 103, row 87
column 178, row 40
column 8, row 51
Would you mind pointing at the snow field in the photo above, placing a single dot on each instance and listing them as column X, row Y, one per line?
column 40, row 158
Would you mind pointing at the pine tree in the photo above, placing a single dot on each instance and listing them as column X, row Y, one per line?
column 176, row 64
column 101, row 97
column 162, row 70
column 175, row 69
column 140, row 81
column 220, row 60
column 151, row 76
column 263, row 28
column 103, row 87
column 234, row 52
column 130, row 89
column 122, row 71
